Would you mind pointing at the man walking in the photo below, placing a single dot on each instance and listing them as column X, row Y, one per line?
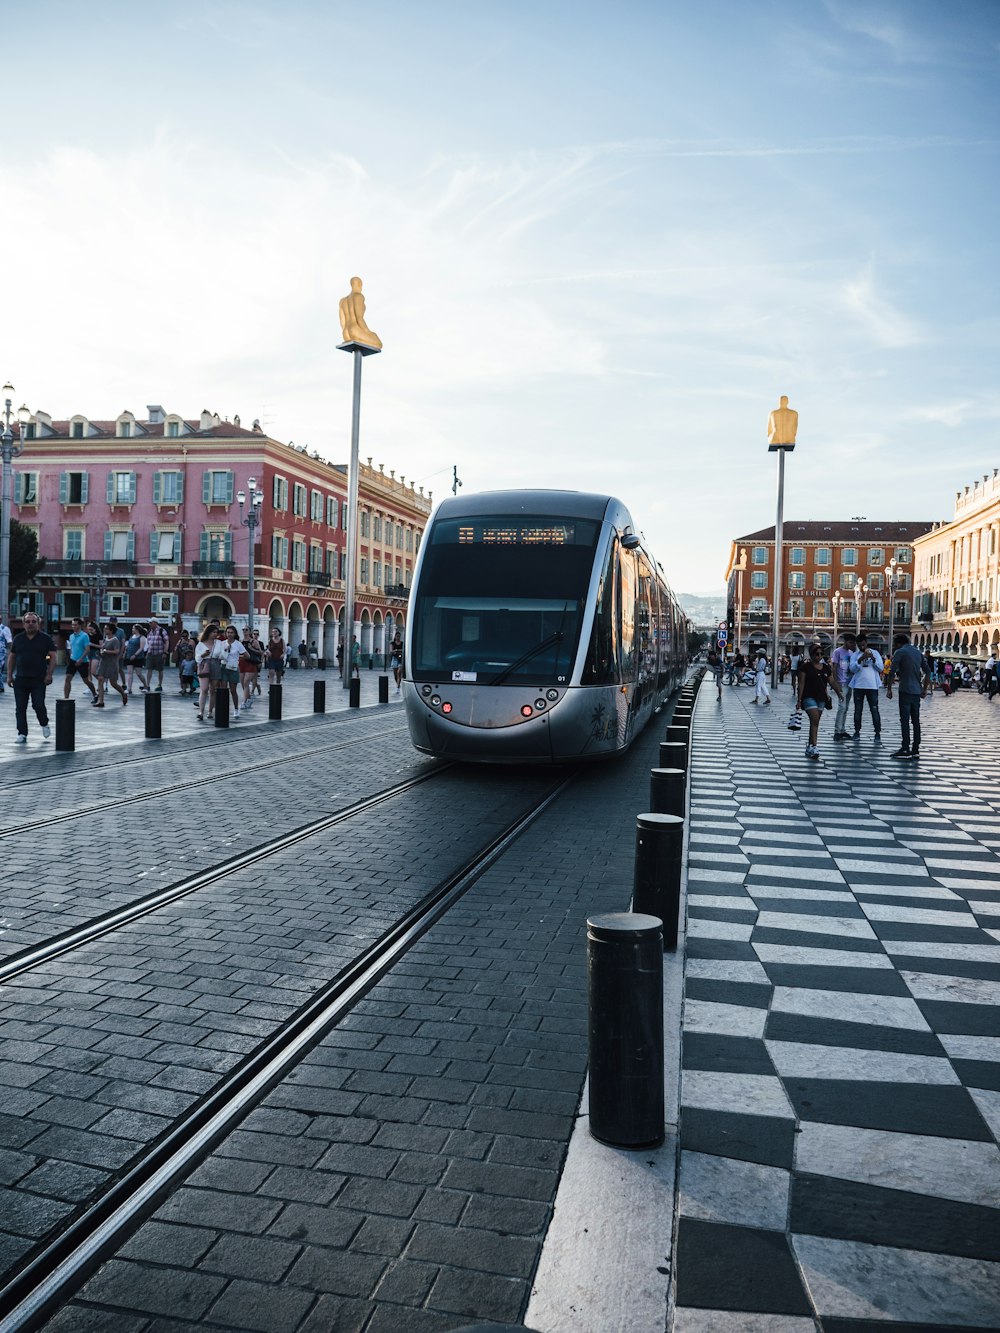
column 29, row 668
column 841, row 662
column 866, row 676
column 156, row 654
column 78, row 644
column 908, row 668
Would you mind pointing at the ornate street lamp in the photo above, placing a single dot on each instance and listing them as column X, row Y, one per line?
column 860, row 591
column 250, row 521
column 836, row 617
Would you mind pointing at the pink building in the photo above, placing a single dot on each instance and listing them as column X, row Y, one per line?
column 140, row 517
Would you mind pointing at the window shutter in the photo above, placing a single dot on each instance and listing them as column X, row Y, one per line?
column 204, row 549
column 84, row 487
column 108, row 539
column 154, row 545
column 230, row 484
column 275, row 489
column 284, row 553
column 131, row 488
column 131, row 543
column 63, row 488
column 111, row 487
column 85, row 604
column 206, row 488
column 40, row 606
column 157, row 487
column 178, row 549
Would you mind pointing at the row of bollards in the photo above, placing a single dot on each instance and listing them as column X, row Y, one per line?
column 625, row 958
column 153, row 709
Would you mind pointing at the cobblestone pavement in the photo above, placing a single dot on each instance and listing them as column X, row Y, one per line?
column 840, row 1099
column 402, row 1178
column 103, row 1047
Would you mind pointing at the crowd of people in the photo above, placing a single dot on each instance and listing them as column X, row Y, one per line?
column 855, row 672
column 108, row 659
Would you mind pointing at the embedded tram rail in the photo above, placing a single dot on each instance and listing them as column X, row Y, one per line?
column 47, row 1274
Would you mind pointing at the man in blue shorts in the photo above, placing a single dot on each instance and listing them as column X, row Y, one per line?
column 78, row 664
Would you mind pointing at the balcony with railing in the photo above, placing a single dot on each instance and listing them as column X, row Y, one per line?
column 972, row 608
column 317, row 578
column 208, row 569
column 87, row 571
column 398, row 591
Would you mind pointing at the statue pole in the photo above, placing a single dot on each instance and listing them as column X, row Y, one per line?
column 360, row 342
column 782, row 426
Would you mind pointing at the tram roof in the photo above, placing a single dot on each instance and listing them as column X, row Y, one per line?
column 568, row 504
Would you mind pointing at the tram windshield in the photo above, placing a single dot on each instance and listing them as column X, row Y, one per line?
column 500, row 599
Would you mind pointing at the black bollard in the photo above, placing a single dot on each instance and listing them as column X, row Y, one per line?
column 153, row 709
column 355, row 692
column 65, row 724
column 677, row 731
column 222, row 706
column 673, row 754
column 667, row 790
column 274, row 703
column 383, row 689
column 319, row 696
column 625, row 1028
column 659, row 845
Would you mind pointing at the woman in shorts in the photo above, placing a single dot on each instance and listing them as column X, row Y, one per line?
column 815, row 678
column 107, row 667
column 232, row 651
column 135, row 657
column 275, row 657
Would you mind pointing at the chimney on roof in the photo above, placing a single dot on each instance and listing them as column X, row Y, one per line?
column 156, row 413
column 236, row 421
column 256, row 425
column 216, row 419
column 206, row 420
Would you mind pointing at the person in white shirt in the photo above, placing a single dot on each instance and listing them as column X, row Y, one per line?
column 763, row 694
column 866, row 676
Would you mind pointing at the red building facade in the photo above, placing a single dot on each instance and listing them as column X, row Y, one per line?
column 140, row 517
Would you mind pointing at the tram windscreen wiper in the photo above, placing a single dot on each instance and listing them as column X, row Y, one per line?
column 526, row 657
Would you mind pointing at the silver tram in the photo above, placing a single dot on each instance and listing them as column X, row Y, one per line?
column 540, row 630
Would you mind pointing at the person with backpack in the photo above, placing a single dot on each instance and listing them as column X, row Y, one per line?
column 134, row 653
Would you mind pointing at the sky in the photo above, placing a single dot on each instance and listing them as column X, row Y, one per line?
column 598, row 242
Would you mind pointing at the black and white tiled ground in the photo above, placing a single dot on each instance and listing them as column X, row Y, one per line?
column 840, row 1098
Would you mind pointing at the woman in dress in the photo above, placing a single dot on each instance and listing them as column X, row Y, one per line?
column 396, row 660
column 204, row 651
column 275, row 657
column 107, row 667
column 763, row 694
column 815, row 678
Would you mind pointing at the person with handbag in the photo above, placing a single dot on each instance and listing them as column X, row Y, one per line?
column 815, row 676
column 208, row 667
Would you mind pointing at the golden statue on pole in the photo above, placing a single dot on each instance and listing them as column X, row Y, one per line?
column 781, row 424
column 352, row 318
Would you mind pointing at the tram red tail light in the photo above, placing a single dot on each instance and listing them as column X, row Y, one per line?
column 446, row 708
column 526, row 710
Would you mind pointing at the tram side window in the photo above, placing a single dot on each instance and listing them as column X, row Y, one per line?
column 602, row 657
column 644, row 621
column 627, row 584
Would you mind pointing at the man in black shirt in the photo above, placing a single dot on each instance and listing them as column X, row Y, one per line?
column 29, row 667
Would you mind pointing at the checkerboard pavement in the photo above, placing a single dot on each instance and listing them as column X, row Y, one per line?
column 840, row 1094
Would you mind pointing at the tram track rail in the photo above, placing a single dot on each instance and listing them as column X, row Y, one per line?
column 107, row 922
column 188, row 783
column 60, row 1268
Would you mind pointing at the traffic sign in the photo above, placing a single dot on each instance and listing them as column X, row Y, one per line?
column 723, row 635
column 723, row 624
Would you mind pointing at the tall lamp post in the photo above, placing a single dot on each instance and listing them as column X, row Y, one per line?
column 740, row 569
column 860, row 590
column 250, row 520
column 891, row 583
column 836, row 617
column 782, row 425
column 9, row 451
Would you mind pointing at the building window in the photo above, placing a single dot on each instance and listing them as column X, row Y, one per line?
column 409, row 539
column 821, row 581
column 821, row 609
column 758, row 579
column 299, row 556
column 117, row 603
column 903, row 582
column 125, row 430
column 343, row 516
column 217, row 488
column 74, row 488
column 276, row 557
column 377, row 534
column 796, row 579
column 875, row 580
column 165, row 603
column 759, row 555
column 364, row 569
column 26, row 488
column 757, row 604
column 824, row 555
column 366, row 523
column 164, row 548
column 331, row 562
column 73, row 544
column 903, row 555
column 299, row 500
column 342, row 557
column 795, row 607
column 316, row 507
column 77, row 430
column 279, row 493
column 331, row 511
column 172, row 429
column 315, row 559
column 399, row 537
column 849, row 555
column 846, row 582
column 797, row 555
column 121, row 488
column 873, row 612
column 377, row 573
column 119, row 545
column 217, row 547
column 168, row 488
column 876, row 557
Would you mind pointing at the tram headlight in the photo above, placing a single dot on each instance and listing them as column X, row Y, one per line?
column 427, row 691
column 435, row 699
column 539, row 703
column 552, row 695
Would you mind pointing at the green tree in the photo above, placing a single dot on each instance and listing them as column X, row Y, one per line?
column 25, row 562
column 696, row 641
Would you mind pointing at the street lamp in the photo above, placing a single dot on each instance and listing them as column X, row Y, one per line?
column 250, row 521
column 740, row 568
column 860, row 590
column 782, row 425
column 100, row 584
column 836, row 617
column 891, row 583
column 9, row 451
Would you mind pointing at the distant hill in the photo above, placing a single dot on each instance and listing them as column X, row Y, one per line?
column 703, row 610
